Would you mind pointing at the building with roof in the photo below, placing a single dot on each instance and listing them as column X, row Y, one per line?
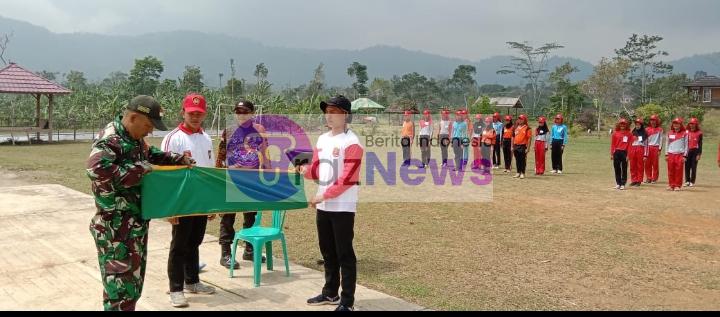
column 17, row 80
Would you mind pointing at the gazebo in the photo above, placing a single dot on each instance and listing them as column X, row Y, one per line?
column 505, row 102
column 398, row 109
column 17, row 80
column 366, row 104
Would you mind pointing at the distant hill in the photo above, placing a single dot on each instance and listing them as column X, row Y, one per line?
column 98, row 55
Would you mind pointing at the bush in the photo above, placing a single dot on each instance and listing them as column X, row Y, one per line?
column 587, row 119
column 577, row 130
column 652, row 109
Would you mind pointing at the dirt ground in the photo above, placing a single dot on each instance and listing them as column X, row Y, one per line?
column 555, row 242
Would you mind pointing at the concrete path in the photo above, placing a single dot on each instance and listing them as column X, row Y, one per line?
column 48, row 262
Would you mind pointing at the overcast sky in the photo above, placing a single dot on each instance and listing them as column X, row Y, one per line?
column 471, row 29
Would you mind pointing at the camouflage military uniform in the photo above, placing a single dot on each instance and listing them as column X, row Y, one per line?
column 116, row 166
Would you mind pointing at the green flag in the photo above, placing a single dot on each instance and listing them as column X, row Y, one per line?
column 195, row 191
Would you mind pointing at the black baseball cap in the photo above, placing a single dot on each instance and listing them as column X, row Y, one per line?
column 151, row 108
column 246, row 104
column 341, row 102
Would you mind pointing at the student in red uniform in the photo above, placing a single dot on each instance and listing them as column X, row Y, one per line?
column 676, row 150
column 507, row 136
column 638, row 153
column 695, row 144
column 521, row 145
column 619, row 147
column 655, row 143
column 542, row 138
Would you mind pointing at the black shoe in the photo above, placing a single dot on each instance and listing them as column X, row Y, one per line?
column 344, row 308
column 225, row 261
column 323, row 300
column 248, row 256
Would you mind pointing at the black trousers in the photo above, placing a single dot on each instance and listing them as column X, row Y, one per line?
column 425, row 148
column 335, row 236
column 507, row 153
column 521, row 158
column 183, row 259
column 620, row 163
column 406, row 147
column 227, row 230
column 458, row 151
column 557, row 154
column 496, row 151
column 691, row 166
column 444, row 144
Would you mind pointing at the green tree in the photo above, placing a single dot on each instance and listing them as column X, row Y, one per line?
column 145, row 76
column 317, row 85
column 650, row 109
column 483, row 106
column 51, row 76
column 643, row 54
column 359, row 73
column 416, row 88
column 234, row 86
column 4, row 41
column 192, row 80
column 531, row 65
column 114, row 79
column 607, row 82
column 381, row 90
column 75, row 80
column 463, row 77
column 669, row 90
column 261, row 72
column 567, row 98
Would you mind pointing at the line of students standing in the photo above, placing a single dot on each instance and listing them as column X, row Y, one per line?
column 641, row 149
column 487, row 139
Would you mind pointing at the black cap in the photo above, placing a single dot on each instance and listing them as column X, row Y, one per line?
column 151, row 108
column 246, row 104
column 341, row 102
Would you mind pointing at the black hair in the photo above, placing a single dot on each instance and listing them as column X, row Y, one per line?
column 640, row 131
column 543, row 127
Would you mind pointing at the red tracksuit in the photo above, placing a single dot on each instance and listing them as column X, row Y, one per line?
column 676, row 151
column 638, row 153
column 541, row 147
column 655, row 140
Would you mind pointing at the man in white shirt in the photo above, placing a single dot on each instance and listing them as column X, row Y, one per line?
column 336, row 166
column 188, row 232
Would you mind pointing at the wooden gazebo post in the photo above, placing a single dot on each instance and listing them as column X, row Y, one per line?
column 37, row 115
column 50, row 114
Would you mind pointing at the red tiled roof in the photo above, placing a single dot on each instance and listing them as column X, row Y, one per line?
column 17, row 80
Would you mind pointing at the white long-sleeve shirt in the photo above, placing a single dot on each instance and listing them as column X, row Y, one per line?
column 336, row 166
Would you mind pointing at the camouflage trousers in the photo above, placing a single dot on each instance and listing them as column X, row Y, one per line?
column 121, row 241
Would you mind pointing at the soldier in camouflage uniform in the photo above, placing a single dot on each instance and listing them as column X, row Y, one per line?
column 118, row 161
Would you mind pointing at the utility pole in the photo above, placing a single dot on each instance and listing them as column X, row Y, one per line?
column 597, row 105
column 232, row 82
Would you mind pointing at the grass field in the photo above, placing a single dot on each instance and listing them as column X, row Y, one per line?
column 556, row 242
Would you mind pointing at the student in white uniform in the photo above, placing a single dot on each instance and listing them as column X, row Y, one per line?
column 188, row 232
column 336, row 166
